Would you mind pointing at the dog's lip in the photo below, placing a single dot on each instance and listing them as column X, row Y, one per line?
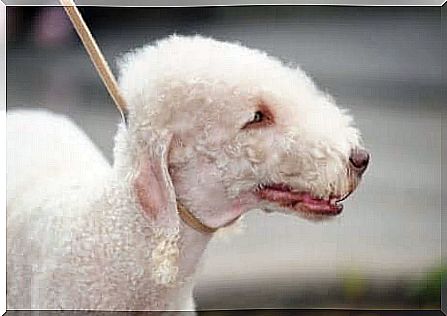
column 302, row 201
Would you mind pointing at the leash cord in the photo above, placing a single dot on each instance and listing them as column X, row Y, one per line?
column 96, row 56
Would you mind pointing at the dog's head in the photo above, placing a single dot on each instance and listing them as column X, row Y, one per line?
column 224, row 129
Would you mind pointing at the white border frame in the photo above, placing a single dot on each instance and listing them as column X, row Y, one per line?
column 155, row 3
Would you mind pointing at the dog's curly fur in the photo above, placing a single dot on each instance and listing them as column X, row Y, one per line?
column 86, row 235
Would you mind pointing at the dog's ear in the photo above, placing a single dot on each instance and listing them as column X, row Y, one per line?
column 156, row 196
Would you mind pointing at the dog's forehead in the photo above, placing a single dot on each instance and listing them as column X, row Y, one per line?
column 233, row 68
column 226, row 76
column 197, row 60
column 204, row 60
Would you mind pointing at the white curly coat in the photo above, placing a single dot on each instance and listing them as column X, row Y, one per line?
column 86, row 235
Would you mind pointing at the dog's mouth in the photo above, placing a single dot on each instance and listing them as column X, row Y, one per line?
column 305, row 202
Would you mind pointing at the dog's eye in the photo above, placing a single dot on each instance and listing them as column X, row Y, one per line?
column 258, row 119
column 259, row 116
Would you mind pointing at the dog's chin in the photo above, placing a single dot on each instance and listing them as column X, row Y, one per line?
column 306, row 215
column 301, row 212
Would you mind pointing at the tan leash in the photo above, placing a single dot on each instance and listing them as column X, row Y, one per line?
column 95, row 55
column 112, row 87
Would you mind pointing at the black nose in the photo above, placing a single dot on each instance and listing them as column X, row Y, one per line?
column 359, row 159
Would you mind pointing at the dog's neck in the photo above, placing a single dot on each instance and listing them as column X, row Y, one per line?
column 192, row 243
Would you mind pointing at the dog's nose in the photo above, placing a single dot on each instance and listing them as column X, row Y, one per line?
column 359, row 159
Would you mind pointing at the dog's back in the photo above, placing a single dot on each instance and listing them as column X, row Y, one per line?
column 42, row 146
column 48, row 158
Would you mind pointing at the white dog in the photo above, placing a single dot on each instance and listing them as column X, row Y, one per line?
column 214, row 129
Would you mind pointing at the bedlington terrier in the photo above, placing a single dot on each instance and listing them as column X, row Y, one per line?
column 213, row 128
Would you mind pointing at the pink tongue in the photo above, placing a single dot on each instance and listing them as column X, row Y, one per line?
column 308, row 199
column 320, row 207
column 301, row 200
column 317, row 205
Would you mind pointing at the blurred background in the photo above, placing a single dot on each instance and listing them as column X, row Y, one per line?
column 383, row 63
